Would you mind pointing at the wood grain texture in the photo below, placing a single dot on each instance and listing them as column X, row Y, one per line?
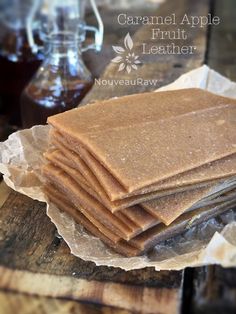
column 113, row 34
column 35, row 246
column 29, row 245
column 130, row 297
column 19, row 303
column 164, row 68
column 221, row 54
column 214, row 290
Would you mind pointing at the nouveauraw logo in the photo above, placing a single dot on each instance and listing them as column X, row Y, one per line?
column 126, row 58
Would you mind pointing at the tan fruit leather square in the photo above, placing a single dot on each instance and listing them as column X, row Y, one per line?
column 118, row 149
column 142, row 155
column 135, row 109
column 135, row 217
column 64, row 205
column 227, row 195
column 144, row 241
column 168, row 209
column 98, row 214
column 79, row 164
column 207, row 174
column 148, row 239
column 165, row 209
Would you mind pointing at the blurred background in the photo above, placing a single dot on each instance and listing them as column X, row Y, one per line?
column 51, row 51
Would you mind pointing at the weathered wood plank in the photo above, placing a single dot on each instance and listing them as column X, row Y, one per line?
column 222, row 45
column 129, row 297
column 214, row 290
column 23, row 304
column 47, row 253
column 164, row 68
column 113, row 33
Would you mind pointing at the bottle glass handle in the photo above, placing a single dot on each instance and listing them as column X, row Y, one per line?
column 98, row 32
column 32, row 23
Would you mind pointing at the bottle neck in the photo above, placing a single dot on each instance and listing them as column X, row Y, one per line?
column 63, row 61
column 59, row 49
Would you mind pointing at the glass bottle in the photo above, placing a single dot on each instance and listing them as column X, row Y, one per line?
column 17, row 61
column 62, row 80
column 59, row 85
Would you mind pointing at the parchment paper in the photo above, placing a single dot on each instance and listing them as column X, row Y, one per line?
column 213, row 242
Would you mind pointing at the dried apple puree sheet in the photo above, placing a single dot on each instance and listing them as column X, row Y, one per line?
column 159, row 208
column 213, row 242
column 134, row 153
column 101, row 180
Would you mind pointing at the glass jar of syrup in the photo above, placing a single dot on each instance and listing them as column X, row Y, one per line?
column 62, row 80
column 17, row 62
column 60, row 83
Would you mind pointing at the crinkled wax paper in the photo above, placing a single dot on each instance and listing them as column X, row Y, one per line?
column 213, row 242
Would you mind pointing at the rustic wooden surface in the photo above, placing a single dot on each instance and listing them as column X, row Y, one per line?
column 221, row 54
column 164, row 68
column 36, row 267
column 214, row 290
column 22, row 304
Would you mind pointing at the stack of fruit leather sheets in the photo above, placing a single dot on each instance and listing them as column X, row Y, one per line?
column 141, row 169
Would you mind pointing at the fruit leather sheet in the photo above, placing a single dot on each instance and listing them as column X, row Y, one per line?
column 166, row 209
column 82, row 199
column 142, row 153
column 146, row 240
column 197, row 177
column 66, row 206
column 133, row 216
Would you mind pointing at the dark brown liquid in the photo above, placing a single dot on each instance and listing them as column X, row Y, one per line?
column 37, row 105
column 14, row 76
column 17, row 66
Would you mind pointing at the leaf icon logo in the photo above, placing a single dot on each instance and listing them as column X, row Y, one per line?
column 128, row 42
column 127, row 59
column 118, row 49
